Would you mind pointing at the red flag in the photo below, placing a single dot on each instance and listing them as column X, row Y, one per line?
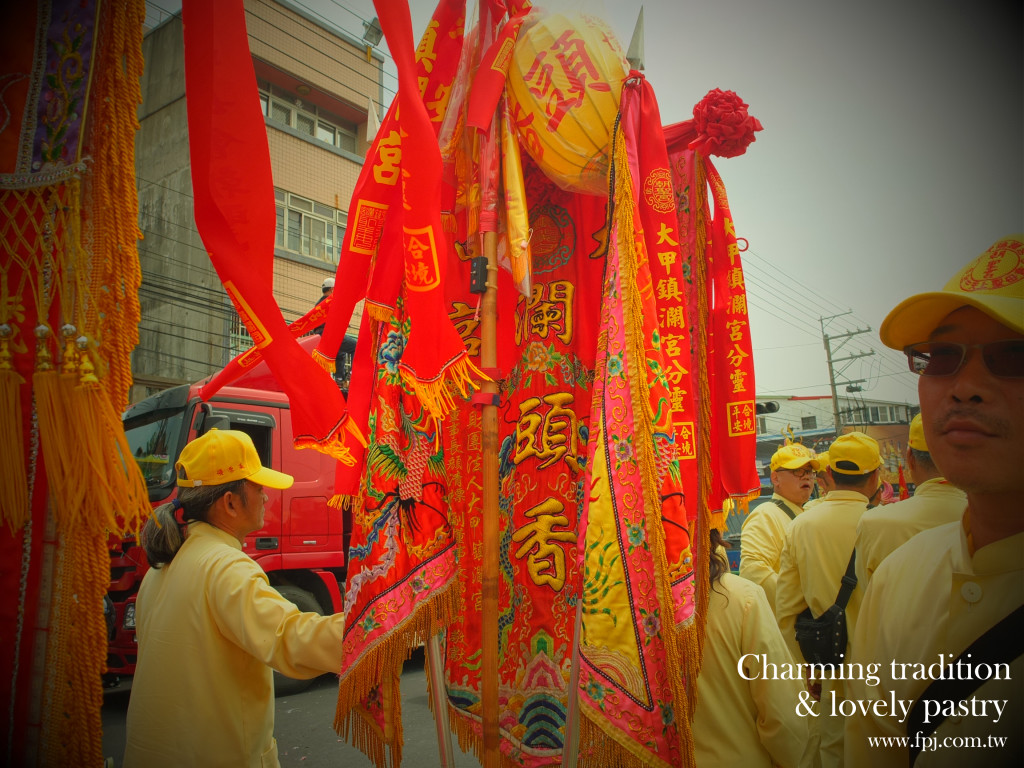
column 732, row 362
column 904, row 490
column 235, row 214
column 435, row 355
column 244, row 362
column 489, row 82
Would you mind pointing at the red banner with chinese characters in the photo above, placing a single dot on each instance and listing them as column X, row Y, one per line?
column 546, row 356
column 675, row 416
column 434, row 363
column 633, row 675
column 234, row 211
column 734, row 427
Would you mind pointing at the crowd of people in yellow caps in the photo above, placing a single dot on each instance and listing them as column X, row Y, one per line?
column 919, row 587
column 929, row 590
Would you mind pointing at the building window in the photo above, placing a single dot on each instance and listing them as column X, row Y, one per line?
column 808, row 422
column 762, row 425
column 308, row 119
column 309, row 228
column 874, row 414
column 240, row 340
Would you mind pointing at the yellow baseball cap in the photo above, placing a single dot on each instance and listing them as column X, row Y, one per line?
column 822, row 459
column 917, row 434
column 992, row 283
column 854, row 454
column 223, row 456
column 793, row 456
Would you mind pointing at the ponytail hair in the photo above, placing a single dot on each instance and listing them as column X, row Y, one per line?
column 718, row 564
column 162, row 535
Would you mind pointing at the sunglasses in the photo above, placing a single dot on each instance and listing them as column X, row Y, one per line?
column 801, row 473
column 1004, row 359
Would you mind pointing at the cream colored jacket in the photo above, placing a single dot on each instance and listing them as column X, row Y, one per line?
column 883, row 529
column 738, row 722
column 764, row 532
column 931, row 597
column 210, row 627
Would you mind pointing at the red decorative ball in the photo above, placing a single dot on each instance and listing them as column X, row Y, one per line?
column 724, row 127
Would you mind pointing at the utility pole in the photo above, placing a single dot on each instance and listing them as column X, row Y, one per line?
column 844, row 337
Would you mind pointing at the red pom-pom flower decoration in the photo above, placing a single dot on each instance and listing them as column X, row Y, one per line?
column 724, row 127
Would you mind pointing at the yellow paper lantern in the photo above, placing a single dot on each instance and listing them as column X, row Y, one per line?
column 564, row 83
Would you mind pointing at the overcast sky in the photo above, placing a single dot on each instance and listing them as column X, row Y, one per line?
column 892, row 153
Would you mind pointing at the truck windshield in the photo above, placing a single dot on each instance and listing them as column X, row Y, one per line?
column 154, row 439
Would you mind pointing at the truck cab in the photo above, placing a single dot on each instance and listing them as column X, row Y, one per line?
column 303, row 541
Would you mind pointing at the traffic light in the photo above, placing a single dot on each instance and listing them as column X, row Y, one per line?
column 768, row 406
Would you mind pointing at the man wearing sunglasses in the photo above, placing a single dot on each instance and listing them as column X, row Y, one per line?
column 793, row 467
column 951, row 592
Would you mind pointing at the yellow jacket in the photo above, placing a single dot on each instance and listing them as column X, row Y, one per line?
column 210, row 627
column 931, row 597
column 817, row 550
column 883, row 529
column 764, row 532
column 738, row 722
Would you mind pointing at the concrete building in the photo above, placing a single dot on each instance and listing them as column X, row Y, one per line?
column 812, row 421
column 316, row 84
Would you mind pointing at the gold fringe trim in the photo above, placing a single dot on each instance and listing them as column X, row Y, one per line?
column 324, row 361
column 341, row 501
column 14, row 510
column 702, row 584
column 336, row 444
column 115, row 275
column 369, row 739
column 86, row 246
column 116, row 497
column 468, row 735
column 76, row 652
column 599, row 749
column 644, row 446
column 374, row 668
column 448, row 222
column 717, row 520
column 379, row 312
column 62, row 453
column 437, row 395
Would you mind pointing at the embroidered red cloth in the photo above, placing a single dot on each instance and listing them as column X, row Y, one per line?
column 734, row 428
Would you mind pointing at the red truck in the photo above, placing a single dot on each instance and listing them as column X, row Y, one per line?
column 303, row 541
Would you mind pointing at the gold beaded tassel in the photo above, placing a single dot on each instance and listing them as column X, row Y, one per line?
column 116, row 498
column 14, row 510
column 58, row 453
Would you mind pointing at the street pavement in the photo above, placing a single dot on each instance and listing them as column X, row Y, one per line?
column 304, row 726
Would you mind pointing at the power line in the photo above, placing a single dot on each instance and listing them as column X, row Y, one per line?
column 330, row 58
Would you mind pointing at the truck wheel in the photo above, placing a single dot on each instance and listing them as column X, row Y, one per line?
column 284, row 685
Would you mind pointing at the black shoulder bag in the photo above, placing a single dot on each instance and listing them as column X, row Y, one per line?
column 1001, row 644
column 822, row 640
column 785, row 508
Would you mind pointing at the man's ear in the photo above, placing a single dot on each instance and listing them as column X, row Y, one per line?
column 231, row 505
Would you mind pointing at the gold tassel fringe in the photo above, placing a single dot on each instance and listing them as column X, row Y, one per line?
column 702, row 583
column 14, row 509
column 379, row 312
column 381, row 662
column 337, row 443
column 644, row 446
column 324, row 361
column 437, row 395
